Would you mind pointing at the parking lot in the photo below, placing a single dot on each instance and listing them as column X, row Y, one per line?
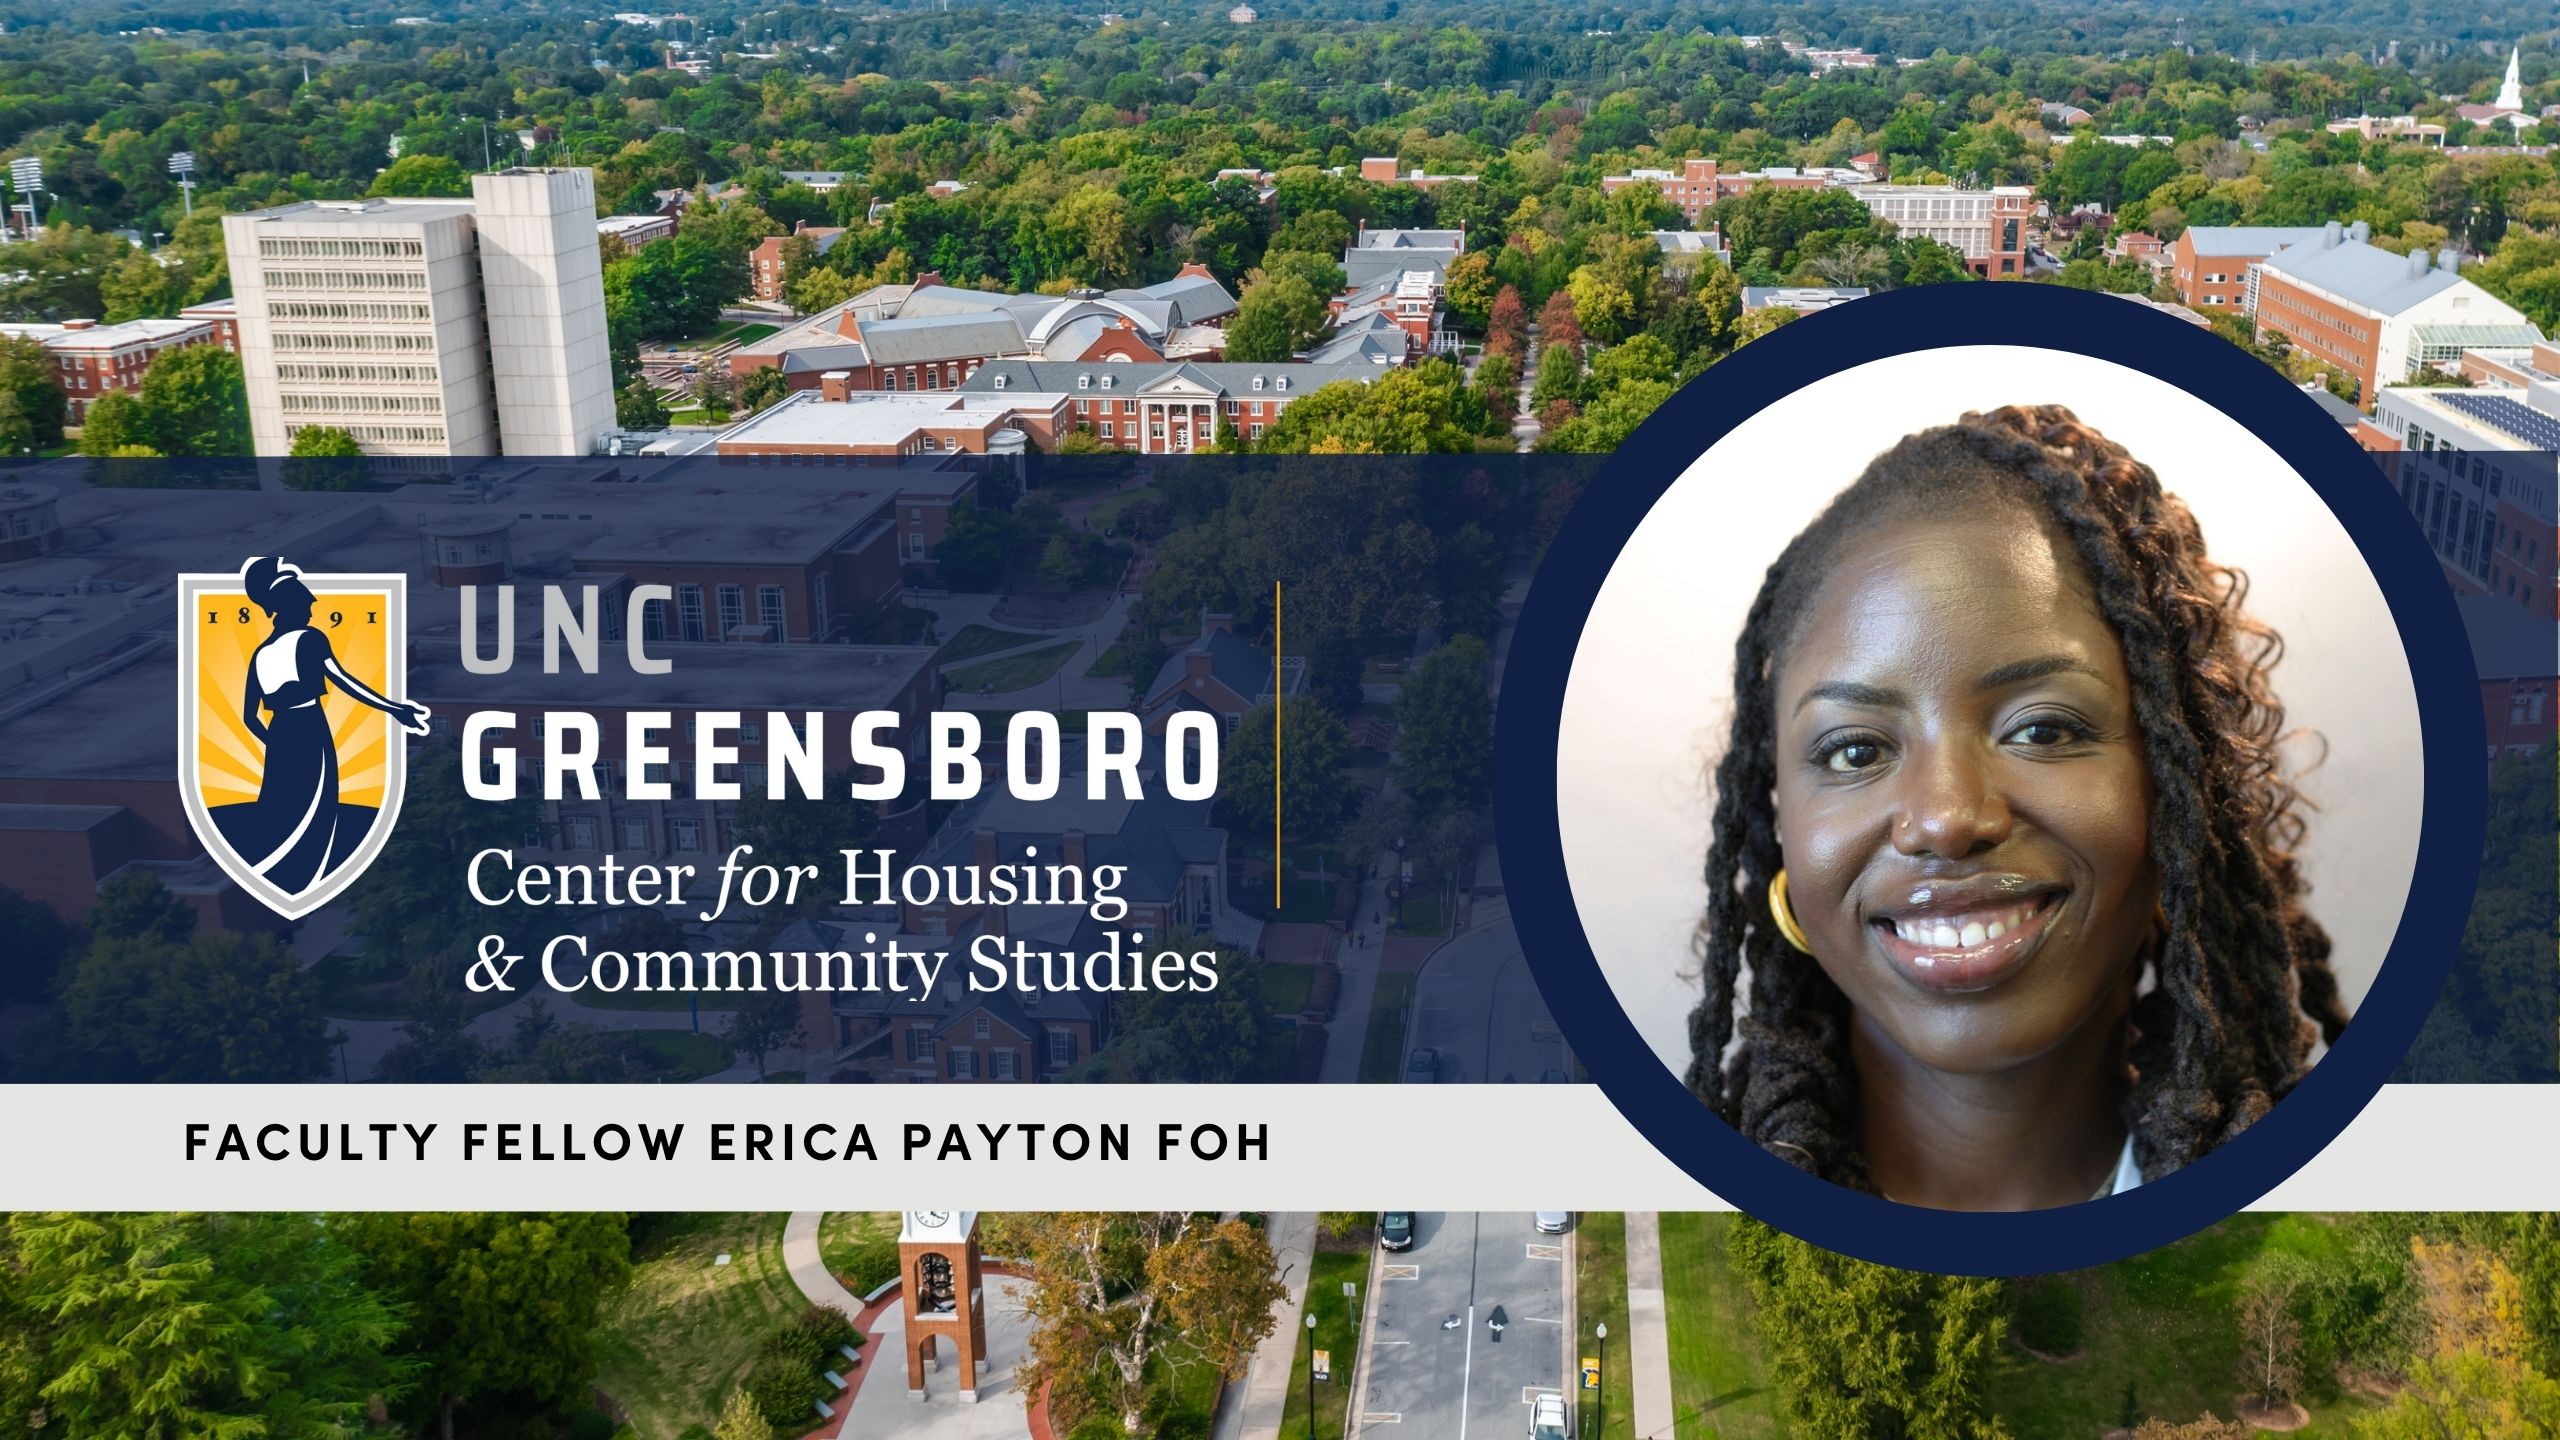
column 1425, row 1377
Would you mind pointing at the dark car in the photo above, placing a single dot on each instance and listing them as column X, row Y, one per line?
column 1395, row 1230
column 1422, row 1067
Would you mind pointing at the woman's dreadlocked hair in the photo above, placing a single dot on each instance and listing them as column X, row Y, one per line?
column 2242, row 973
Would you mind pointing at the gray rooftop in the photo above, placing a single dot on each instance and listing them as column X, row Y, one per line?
column 942, row 337
column 2253, row 240
column 2364, row 275
column 1234, row 377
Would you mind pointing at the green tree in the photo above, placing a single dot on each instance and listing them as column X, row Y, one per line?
column 763, row 1024
column 1444, row 730
column 1274, row 320
column 117, row 421
column 1638, row 359
column 1315, row 754
column 421, row 175
column 134, row 905
column 636, row 406
column 818, row 288
column 1867, row 1350
column 324, row 457
column 38, row 944
column 197, row 402
column 1113, row 1299
column 27, row 378
column 1423, row 410
column 1608, row 420
column 763, row 387
column 740, row 1420
column 1471, row 286
column 171, row 1325
column 1186, row 1037
column 506, row 1310
column 139, row 286
column 215, row 1008
column 407, row 906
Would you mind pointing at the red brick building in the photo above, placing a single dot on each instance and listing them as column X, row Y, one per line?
column 2519, row 675
column 2211, row 265
column 1699, row 183
column 1172, row 408
column 90, row 359
column 765, row 267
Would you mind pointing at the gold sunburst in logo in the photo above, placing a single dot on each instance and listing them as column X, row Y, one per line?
column 291, row 734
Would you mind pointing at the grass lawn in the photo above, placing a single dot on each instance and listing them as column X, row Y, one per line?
column 2163, row 1322
column 676, row 1000
column 345, row 996
column 742, row 331
column 860, row 1248
column 1337, row 1330
column 697, row 416
column 682, row 1332
column 1285, row 987
column 1301, row 900
column 1382, row 1052
column 1425, row 912
column 1114, row 661
column 1271, row 1059
column 1600, row 1298
column 1718, row 1389
column 1106, row 512
column 680, row 1055
column 1014, row 672
column 976, row 640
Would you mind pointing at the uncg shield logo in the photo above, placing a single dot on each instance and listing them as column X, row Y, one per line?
column 292, row 729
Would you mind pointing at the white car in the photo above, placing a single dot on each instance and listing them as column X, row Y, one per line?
column 1554, row 1222
column 1546, row 1417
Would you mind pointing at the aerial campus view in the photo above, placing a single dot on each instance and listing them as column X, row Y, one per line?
column 893, row 328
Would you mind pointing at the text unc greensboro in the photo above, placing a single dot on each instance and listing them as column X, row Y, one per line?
column 796, row 747
column 797, row 760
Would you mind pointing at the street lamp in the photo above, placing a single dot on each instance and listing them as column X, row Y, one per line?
column 1602, row 1397
column 1311, row 1373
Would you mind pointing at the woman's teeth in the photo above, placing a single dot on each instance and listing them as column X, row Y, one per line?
column 1962, row 932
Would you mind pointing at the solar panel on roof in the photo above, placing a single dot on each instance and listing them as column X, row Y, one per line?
column 2540, row 431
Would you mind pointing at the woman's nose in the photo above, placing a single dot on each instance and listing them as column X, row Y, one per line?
column 1950, row 806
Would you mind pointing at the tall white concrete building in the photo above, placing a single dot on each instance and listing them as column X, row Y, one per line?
column 542, row 281
column 428, row 326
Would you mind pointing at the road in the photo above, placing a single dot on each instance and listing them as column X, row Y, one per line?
column 1476, row 1003
column 1425, row 1379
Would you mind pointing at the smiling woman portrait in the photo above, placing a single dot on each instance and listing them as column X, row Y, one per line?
column 2004, row 910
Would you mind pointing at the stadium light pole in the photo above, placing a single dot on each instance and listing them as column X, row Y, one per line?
column 183, row 165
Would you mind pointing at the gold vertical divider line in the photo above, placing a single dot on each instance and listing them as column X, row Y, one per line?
column 1278, row 875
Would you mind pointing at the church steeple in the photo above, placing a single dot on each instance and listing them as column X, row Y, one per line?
column 2511, row 94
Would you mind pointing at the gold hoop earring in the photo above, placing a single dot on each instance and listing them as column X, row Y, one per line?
column 1791, row 932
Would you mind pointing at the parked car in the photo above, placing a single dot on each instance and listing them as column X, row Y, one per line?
column 1395, row 1230
column 1554, row 1222
column 1422, row 1067
column 1546, row 1417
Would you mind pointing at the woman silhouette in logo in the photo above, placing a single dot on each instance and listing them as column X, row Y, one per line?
column 296, row 831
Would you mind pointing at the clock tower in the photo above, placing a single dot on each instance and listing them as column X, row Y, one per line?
column 944, row 1297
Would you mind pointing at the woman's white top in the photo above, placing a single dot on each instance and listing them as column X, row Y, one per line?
column 2128, row 1174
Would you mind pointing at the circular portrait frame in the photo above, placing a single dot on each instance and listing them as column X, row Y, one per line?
column 2414, row 968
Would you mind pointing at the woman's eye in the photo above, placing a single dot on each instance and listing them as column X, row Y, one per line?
column 2044, row 734
column 1854, row 755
